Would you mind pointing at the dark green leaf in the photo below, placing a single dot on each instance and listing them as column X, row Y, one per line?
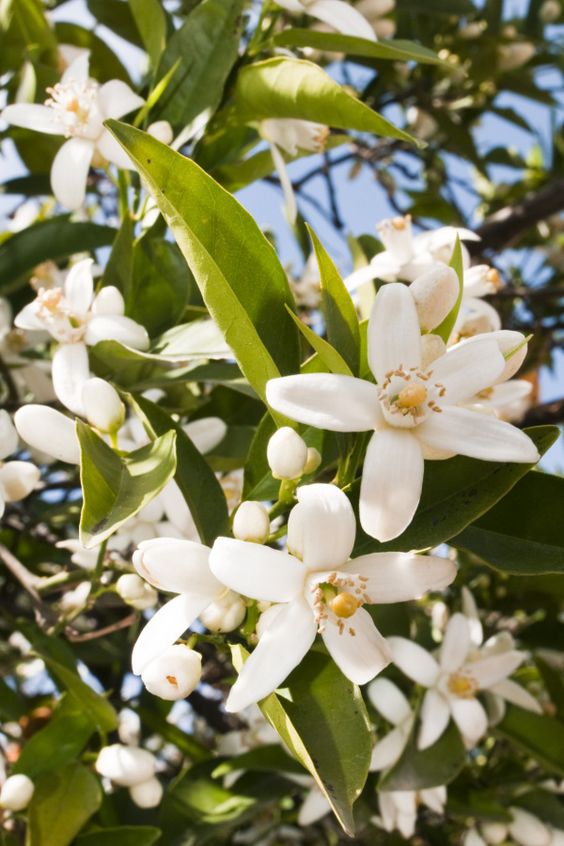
column 335, row 42
column 125, row 835
column 12, row 705
column 150, row 19
column 540, row 736
column 420, row 769
column 264, row 759
column 334, row 362
column 97, row 708
column 63, row 801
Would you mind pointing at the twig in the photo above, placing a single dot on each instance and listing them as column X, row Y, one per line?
column 124, row 623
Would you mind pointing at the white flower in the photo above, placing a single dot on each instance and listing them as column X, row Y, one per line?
column 174, row 674
column 318, row 589
column 455, row 678
column 76, row 108
column 398, row 808
column 102, row 406
column 136, row 592
column 251, row 522
column 225, row 614
column 513, row 56
column 413, row 410
column 16, row 792
column 374, row 11
column 508, row 401
column 147, row 794
column 475, row 315
column 336, row 13
column 17, row 478
column 524, row 830
column 390, row 702
column 286, row 454
column 132, row 767
column 47, row 430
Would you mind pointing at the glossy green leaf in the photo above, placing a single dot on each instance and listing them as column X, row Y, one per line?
column 206, row 45
column 523, row 533
column 294, row 88
column 321, row 717
column 419, row 769
column 553, row 679
column 150, row 19
column 160, row 284
column 116, row 487
column 263, row 759
column 12, row 704
column 123, row 835
column 63, row 801
column 456, row 492
column 444, row 329
column 334, row 362
column 195, row 478
column 241, row 280
column 96, row 707
column 117, row 16
column 335, row 42
column 539, row 736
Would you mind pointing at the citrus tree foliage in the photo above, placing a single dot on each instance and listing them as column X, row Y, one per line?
column 277, row 561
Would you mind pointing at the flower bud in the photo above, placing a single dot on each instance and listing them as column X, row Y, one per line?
column 16, row 792
column 18, row 479
column 103, row 408
column 513, row 56
column 75, row 600
column 174, row 674
column 527, row 830
column 162, row 131
column 432, row 347
column 313, row 460
column 147, row 794
column 435, row 293
column 225, row 614
column 286, row 454
column 49, row 431
column 550, row 11
column 494, row 833
column 108, row 300
column 251, row 522
column 125, row 765
column 136, row 592
column 8, row 435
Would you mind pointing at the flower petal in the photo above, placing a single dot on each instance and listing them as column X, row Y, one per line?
column 477, row 435
column 327, row 401
column 285, row 183
column 18, row 479
column 70, row 370
column 314, row 807
column 471, row 719
column 391, row 483
column 472, row 838
column 69, row 172
column 361, row 656
column 387, row 750
column 79, row 287
column 78, row 70
column 281, row 648
column 112, row 151
column 394, row 336
column 165, row 627
column 466, row 370
column 470, row 611
column 417, row 664
column 321, row 527
column 177, row 565
column 116, row 327
column 206, row 433
column 513, row 692
column 49, row 431
column 528, row 830
column 488, row 671
column 117, row 99
column 389, row 701
column 257, row 571
column 435, row 717
column 177, row 511
column 434, row 797
column 341, row 17
column 33, row 116
column 456, row 644
column 401, row 576
column 8, row 435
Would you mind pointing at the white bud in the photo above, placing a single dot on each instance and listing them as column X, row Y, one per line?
column 49, row 431
column 550, row 11
column 174, row 674
column 494, row 833
column 435, row 293
column 16, row 792
column 75, row 600
column 147, row 794
column 313, row 460
column 18, row 479
column 225, row 614
column 125, row 765
column 513, row 56
column 8, row 435
column 162, row 131
column 103, row 408
column 286, row 454
column 105, row 327
column 432, row 347
column 251, row 522
column 108, row 300
column 136, row 592
column 528, row 830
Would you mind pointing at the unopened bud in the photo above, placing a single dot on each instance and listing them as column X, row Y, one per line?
column 432, row 347
column 225, row 614
column 16, row 792
column 251, row 522
column 18, row 479
column 136, row 592
column 513, row 56
column 103, row 408
column 174, row 674
column 147, row 794
column 75, row 600
column 526, row 829
column 286, row 454
column 162, row 131
column 8, row 435
column 47, row 430
column 494, row 833
column 109, row 300
column 550, row 11
column 435, row 293
column 125, row 765
column 313, row 460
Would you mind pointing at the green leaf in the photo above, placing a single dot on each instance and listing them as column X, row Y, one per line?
column 12, row 704
column 160, row 284
column 321, row 717
column 241, row 280
column 334, row 42
column 539, row 736
column 420, row 769
column 264, row 759
column 114, row 487
column 554, row 682
column 150, row 19
column 455, row 493
column 294, row 88
column 195, row 478
column 124, row 835
column 334, row 362
column 522, row 534
column 63, row 801
column 444, row 329
column 55, row 239
column 206, row 45
column 97, row 708
column 117, row 16
column 544, row 805
column 104, row 64
column 338, row 309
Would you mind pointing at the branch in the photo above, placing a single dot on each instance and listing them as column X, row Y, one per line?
column 547, row 413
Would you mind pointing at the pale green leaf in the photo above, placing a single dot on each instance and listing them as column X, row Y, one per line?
column 63, row 801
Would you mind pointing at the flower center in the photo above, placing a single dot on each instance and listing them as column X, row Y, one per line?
column 407, row 396
column 461, row 685
column 50, row 300
column 412, row 395
column 73, row 103
column 344, row 605
column 340, row 596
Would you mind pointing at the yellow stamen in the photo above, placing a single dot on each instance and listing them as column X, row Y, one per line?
column 494, row 278
column 462, row 686
column 412, row 395
column 344, row 605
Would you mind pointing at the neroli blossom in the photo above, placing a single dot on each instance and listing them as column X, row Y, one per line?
column 317, row 588
column 76, row 108
column 413, row 410
column 338, row 14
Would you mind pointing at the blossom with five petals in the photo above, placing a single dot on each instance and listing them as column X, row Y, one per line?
column 317, row 588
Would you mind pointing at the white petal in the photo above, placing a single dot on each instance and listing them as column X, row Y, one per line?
column 314, row 807
column 401, row 576
column 456, row 644
column 18, row 479
column 165, row 627
column 33, row 116
column 467, row 370
column 116, row 327
column 435, row 717
column 477, row 436
column 342, row 17
column 394, row 336
column 495, row 668
column 389, row 701
column 8, row 435
column 435, row 798
column 78, row 70
column 513, row 692
column 470, row 611
column 361, row 656
column 206, row 433
column 471, row 719
column 257, row 571
column 178, row 566
column 70, row 370
column 321, row 527
column 177, row 511
column 528, row 830
column 79, row 286
column 327, row 401
column 69, row 172
column 391, row 483
column 472, row 838
column 117, row 99
column 387, row 750
column 418, row 664
column 388, row 810
column 509, row 392
column 49, row 431
column 28, row 318
column 285, row 184
column 280, row 649
column 109, row 300
column 112, row 151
